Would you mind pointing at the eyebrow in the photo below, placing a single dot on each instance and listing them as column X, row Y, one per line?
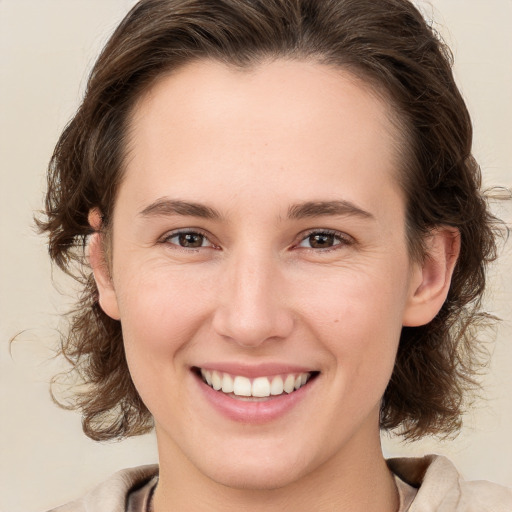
column 165, row 207
column 324, row 208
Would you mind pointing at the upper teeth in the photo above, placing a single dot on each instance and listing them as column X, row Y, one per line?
column 258, row 387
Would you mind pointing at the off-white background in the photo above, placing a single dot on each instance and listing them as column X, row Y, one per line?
column 46, row 48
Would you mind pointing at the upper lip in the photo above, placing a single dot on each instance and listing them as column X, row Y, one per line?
column 255, row 370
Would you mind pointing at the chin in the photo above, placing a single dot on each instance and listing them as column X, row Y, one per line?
column 252, row 464
column 257, row 477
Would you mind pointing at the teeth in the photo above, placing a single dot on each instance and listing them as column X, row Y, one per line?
column 277, row 386
column 227, row 383
column 260, row 387
column 289, row 384
column 216, row 380
column 242, row 386
column 207, row 376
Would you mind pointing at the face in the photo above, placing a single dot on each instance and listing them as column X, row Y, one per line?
column 259, row 247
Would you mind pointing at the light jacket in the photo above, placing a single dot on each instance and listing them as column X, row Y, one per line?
column 440, row 489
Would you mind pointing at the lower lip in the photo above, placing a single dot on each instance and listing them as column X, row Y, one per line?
column 253, row 412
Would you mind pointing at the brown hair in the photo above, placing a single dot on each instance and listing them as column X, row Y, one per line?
column 389, row 45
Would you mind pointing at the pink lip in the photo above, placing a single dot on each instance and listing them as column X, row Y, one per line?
column 253, row 412
column 258, row 370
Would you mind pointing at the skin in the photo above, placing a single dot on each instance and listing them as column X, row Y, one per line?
column 250, row 145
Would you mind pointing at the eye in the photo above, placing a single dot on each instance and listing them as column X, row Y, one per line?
column 188, row 240
column 324, row 240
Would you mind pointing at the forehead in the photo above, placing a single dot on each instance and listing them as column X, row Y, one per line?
column 275, row 121
column 206, row 86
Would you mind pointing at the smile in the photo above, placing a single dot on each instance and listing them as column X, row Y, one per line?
column 254, row 394
column 260, row 387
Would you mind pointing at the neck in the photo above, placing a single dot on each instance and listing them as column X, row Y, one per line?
column 357, row 480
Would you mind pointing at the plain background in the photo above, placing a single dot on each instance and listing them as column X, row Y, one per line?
column 46, row 50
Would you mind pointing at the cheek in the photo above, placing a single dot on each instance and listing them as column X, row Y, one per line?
column 161, row 312
column 359, row 319
column 160, row 317
column 356, row 301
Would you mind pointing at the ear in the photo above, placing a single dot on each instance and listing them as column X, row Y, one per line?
column 100, row 267
column 431, row 279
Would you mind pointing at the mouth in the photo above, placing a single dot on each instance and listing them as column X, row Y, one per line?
column 260, row 388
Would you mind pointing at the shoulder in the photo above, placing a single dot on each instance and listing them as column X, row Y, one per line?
column 441, row 487
column 111, row 495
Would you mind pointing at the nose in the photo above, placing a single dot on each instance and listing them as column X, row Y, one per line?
column 251, row 304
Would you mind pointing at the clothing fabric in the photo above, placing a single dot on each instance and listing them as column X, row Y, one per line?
column 428, row 484
column 406, row 494
column 442, row 489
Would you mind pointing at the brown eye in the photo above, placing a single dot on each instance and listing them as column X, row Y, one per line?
column 324, row 240
column 321, row 240
column 188, row 240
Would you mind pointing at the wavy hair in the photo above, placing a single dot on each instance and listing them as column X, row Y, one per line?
column 387, row 44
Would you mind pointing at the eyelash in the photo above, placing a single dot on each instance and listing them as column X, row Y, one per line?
column 169, row 236
column 343, row 240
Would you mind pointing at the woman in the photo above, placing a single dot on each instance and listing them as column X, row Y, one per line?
column 288, row 248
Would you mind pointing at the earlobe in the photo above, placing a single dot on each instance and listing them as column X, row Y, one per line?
column 432, row 278
column 100, row 269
